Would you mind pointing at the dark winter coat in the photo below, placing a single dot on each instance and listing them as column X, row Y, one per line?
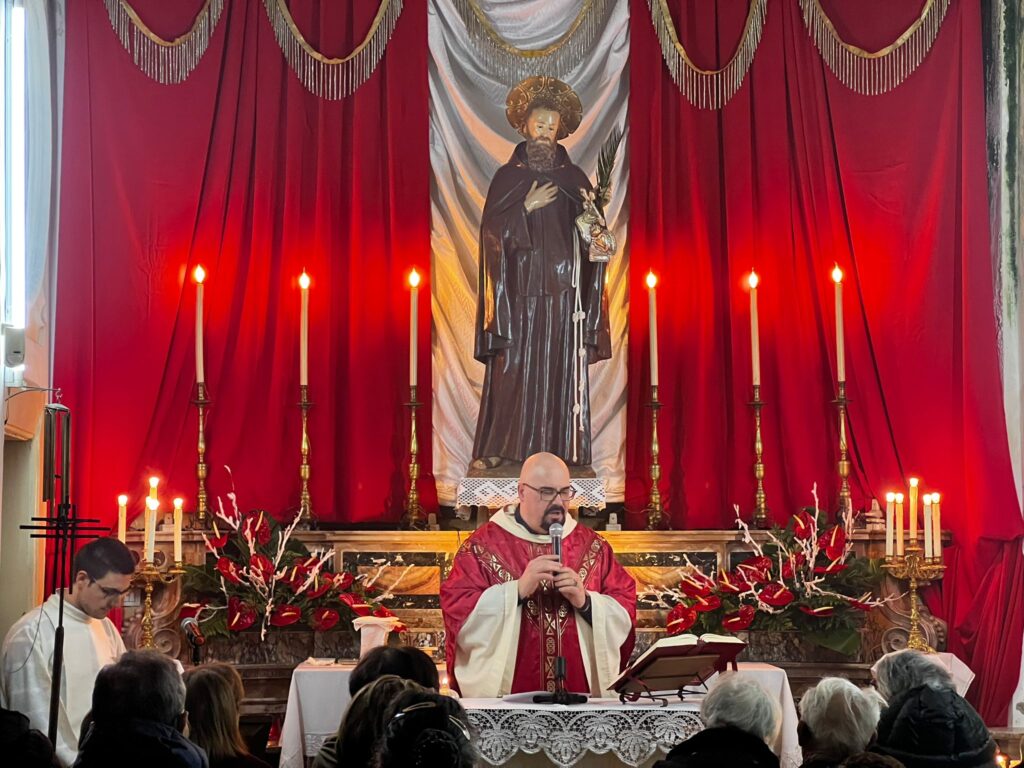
column 717, row 747
column 139, row 743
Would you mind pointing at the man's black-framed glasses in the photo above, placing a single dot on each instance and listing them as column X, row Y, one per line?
column 548, row 494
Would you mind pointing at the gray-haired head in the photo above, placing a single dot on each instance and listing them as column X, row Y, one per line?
column 741, row 703
column 145, row 685
column 899, row 671
column 841, row 717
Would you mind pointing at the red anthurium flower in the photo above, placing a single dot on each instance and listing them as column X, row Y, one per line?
column 324, row 619
column 776, row 595
column 791, row 563
column 217, row 540
column 257, row 528
column 322, row 582
column 695, row 586
column 356, row 603
column 704, row 604
column 756, row 569
column 834, row 567
column 862, row 602
column 260, row 564
column 240, row 615
column 732, row 583
column 833, row 541
column 803, row 525
column 739, row 620
column 229, row 570
column 283, row 615
column 382, row 612
column 343, row 580
column 190, row 610
column 820, row 612
column 680, row 619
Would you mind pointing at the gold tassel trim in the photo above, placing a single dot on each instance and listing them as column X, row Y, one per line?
column 512, row 64
column 876, row 72
column 332, row 78
column 166, row 61
column 707, row 88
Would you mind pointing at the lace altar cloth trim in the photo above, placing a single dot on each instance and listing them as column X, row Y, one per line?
column 567, row 736
column 496, row 492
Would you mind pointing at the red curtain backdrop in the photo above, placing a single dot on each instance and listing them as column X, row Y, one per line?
column 795, row 174
column 240, row 168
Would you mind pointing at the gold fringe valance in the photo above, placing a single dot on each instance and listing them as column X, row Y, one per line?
column 166, row 61
column 872, row 73
column 511, row 64
column 707, row 88
column 331, row 78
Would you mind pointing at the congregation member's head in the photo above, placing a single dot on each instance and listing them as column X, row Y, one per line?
column 138, row 710
column 871, row 760
column 402, row 660
column 22, row 745
column 212, row 699
column 427, row 730
column 900, row 671
column 544, row 491
column 103, row 574
column 837, row 720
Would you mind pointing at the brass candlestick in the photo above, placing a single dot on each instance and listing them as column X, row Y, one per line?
column 304, row 498
column 199, row 520
column 147, row 577
column 414, row 513
column 760, row 499
column 919, row 570
column 655, row 511
column 843, row 466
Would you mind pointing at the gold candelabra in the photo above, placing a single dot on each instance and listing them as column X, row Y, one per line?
column 201, row 402
column 147, row 576
column 304, row 406
column 843, row 465
column 760, row 499
column 919, row 571
column 414, row 512
column 654, row 509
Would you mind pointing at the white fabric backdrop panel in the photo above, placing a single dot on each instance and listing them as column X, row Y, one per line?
column 469, row 140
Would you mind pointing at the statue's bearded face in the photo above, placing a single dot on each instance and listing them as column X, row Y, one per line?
column 541, row 130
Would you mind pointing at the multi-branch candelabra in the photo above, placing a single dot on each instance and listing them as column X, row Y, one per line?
column 654, row 509
column 760, row 499
column 919, row 571
column 147, row 576
column 304, row 406
column 201, row 402
column 843, row 465
column 415, row 517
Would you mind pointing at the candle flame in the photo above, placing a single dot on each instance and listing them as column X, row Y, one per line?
column 414, row 278
column 154, row 481
column 935, row 498
column 899, row 498
column 199, row 274
column 122, row 500
column 890, row 497
column 179, row 503
column 153, row 504
column 651, row 280
column 913, row 482
column 837, row 274
column 304, row 280
column 752, row 279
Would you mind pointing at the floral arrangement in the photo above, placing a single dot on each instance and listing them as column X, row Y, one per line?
column 803, row 579
column 256, row 572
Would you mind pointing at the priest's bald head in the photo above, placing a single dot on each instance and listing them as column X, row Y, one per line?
column 544, row 491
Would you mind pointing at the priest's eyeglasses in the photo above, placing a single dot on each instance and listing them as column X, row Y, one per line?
column 548, row 494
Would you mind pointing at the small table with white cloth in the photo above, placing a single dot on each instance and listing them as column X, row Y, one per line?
column 603, row 731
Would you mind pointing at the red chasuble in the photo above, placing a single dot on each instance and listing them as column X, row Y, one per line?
column 497, row 554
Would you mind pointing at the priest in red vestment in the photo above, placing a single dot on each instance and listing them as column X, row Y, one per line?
column 507, row 596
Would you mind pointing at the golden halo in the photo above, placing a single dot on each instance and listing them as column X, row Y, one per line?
column 550, row 89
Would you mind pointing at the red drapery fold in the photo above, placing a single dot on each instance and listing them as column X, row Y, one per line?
column 795, row 173
column 241, row 169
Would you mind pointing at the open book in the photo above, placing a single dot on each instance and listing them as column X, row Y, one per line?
column 672, row 663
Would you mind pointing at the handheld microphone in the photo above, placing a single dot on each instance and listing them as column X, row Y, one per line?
column 555, row 531
column 192, row 631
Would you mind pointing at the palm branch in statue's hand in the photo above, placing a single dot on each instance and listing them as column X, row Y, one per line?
column 606, row 165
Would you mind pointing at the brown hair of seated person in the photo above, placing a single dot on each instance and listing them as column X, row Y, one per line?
column 212, row 705
column 364, row 720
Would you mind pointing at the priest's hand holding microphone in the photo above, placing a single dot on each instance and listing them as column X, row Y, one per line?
column 549, row 569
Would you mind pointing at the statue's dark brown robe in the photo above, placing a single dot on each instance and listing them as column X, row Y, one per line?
column 524, row 328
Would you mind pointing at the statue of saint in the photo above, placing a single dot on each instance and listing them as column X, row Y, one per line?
column 542, row 312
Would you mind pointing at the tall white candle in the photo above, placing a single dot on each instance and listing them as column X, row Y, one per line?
column 652, row 325
column 304, row 330
column 936, row 527
column 414, row 293
column 122, row 517
column 837, row 276
column 899, row 525
column 178, row 504
column 153, row 483
column 929, row 544
column 913, row 511
column 890, row 523
column 149, row 547
column 200, row 275
column 755, row 340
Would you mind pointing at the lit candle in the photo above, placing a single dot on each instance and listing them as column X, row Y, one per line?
column 837, row 276
column 153, row 483
column 913, row 511
column 178, row 504
column 304, row 331
column 755, row 341
column 890, row 511
column 414, row 292
column 936, row 527
column 150, row 532
column 899, row 525
column 928, row 542
column 122, row 517
column 200, row 275
column 652, row 325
